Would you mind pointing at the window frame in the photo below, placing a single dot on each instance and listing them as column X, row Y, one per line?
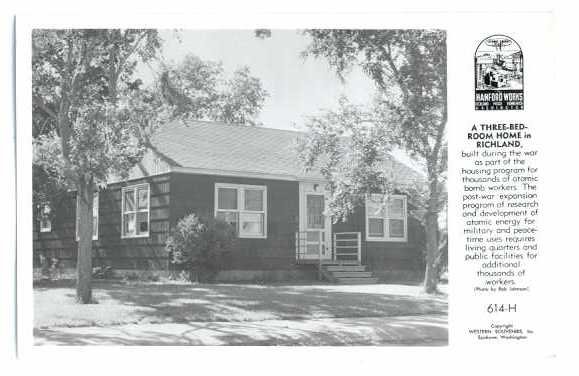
column 386, row 220
column 240, row 189
column 135, row 188
column 48, row 220
column 96, row 197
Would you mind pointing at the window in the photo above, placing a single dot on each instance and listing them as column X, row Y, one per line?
column 157, row 166
column 315, row 211
column 45, row 218
column 95, row 217
column 386, row 218
column 135, row 211
column 244, row 206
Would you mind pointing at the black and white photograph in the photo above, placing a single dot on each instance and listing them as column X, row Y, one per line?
column 255, row 188
column 266, row 187
column 499, row 74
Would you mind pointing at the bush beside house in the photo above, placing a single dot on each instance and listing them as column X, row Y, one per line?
column 195, row 246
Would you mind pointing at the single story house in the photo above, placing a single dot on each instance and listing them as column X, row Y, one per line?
column 251, row 177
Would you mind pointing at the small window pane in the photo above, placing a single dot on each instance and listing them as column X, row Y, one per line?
column 315, row 211
column 95, row 227
column 45, row 222
column 129, row 200
column 254, row 199
column 229, row 217
column 95, row 205
column 227, row 198
column 375, row 208
column 129, row 227
column 376, row 227
column 251, row 224
column 95, row 216
column 142, row 223
column 396, row 207
column 396, row 228
column 45, row 225
column 143, row 198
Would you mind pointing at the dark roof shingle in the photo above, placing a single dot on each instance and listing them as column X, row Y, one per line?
column 242, row 149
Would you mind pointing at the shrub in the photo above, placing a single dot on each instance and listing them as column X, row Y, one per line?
column 50, row 268
column 196, row 246
column 103, row 272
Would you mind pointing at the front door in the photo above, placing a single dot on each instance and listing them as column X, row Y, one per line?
column 314, row 239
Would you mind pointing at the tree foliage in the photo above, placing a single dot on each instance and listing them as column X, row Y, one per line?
column 199, row 89
column 353, row 153
column 197, row 244
column 408, row 68
column 350, row 145
column 76, row 68
column 91, row 119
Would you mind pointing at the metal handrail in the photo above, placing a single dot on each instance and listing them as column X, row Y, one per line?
column 347, row 246
column 343, row 240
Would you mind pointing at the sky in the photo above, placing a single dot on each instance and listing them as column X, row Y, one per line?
column 297, row 87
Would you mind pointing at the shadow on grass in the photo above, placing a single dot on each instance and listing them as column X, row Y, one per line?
column 142, row 303
column 407, row 331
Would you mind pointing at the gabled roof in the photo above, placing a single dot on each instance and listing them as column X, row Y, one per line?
column 240, row 150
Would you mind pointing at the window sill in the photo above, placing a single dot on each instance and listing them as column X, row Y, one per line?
column 388, row 240
column 134, row 236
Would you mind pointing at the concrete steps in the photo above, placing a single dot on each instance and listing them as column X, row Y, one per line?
column 346, row 268
column 348, row 274
column 355, row 274
column 357, row 281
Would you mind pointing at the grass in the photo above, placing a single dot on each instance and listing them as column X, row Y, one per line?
column 146, row 303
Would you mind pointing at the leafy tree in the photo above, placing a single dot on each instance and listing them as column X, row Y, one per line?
column 408, row 68
column 199, row 90
column 90, row 118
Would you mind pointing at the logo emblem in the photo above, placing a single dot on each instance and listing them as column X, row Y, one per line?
column 498, row 72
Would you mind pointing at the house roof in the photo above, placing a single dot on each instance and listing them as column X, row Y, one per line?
column 240, row 150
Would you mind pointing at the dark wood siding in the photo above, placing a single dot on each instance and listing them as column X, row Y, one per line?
column 196, row 194
column 174, row 195
column 60, row 241
column 110, row 249
column 387, row 255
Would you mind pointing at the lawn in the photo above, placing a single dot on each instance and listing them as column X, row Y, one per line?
column 121, row 303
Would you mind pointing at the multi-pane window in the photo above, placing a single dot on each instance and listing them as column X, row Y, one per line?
column 45, row 219
column 95, row 216
column 315, row 211
column 135, row 213
column 243, row 206
column 386, row 218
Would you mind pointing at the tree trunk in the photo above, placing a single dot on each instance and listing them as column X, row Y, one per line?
column 431, row 274
column 85, row 193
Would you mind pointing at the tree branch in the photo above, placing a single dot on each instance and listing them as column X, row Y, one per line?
column 396, row 73
column 40, row 103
